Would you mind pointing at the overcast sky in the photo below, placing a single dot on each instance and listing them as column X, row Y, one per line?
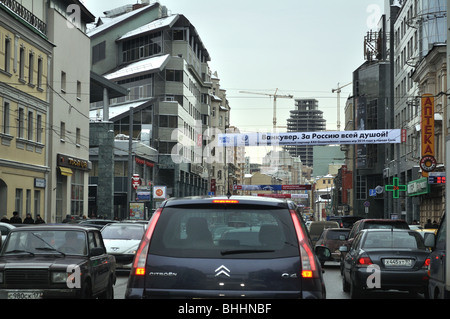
column 302, row 48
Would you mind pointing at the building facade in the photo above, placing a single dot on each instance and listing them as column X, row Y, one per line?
column 162, row 61
column 25, row 59
column 68, row 119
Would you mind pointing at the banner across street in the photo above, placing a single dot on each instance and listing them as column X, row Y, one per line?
column 394, row 136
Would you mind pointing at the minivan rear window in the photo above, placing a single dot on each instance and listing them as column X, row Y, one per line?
column 224, row 232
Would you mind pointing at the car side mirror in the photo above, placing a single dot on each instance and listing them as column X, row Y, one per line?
column 342, row 237
column 97, row 251
column 343, row 249
column 323, row 253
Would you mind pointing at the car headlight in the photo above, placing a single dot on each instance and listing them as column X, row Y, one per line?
column 59, row 277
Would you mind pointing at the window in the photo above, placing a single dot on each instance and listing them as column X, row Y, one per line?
column 21, row 121
column 62, row 131
column 37, row 203
column 77, row 193
column 19, row 201
column 28, row 202
column 5, row 129
column 7, row 55
column 63, row 81
column 31, row 68
column 78, row 137
column 40, row 73
column 361, row 187
column 99, row 52
column 39, row 129
column 22, row 64
column 79, row 90
column 209, row 231
column 30, row 126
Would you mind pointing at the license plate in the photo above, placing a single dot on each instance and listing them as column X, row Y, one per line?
column 25, row 295
column 397, row 262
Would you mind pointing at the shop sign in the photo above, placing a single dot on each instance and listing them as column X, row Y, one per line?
column 418, row 187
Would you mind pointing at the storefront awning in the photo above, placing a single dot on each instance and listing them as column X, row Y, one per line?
column 65, row 171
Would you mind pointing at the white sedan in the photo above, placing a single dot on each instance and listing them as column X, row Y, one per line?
column 122, row 241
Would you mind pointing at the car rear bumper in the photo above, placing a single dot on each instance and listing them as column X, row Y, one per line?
column 139, row 293
column 410, row 280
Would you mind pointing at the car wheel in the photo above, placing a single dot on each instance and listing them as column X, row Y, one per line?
column 86, row 290
column 355, row 292
column 109, row 292
column 345, row 284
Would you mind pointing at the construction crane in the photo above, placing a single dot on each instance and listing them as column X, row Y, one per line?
column 275, row 96
column 338, row 91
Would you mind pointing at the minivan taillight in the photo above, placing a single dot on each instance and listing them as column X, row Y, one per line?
column 141, row 254
column 309, row 266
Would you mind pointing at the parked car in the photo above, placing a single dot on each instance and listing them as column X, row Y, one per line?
column 122, row 240
column 371, row 224
column 398, row 259
column 316, row 228
column 333, row 238
column 46, row 262
column 254, row 252
column 437, row 285
column 5, row 228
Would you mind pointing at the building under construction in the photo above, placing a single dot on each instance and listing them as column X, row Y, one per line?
column 305, row 118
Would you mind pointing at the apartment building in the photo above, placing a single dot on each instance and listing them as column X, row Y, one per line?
column 25, row 55
column 162, row 61
column 419, row 29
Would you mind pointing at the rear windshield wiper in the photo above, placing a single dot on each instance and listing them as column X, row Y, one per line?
column 245, row 251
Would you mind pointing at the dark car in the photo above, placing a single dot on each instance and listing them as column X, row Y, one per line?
column 383, row 259
column 345, row 221
column 42, row 262
column 371, row 224
column 203, row 247
column 437, row 285
column 333, row 238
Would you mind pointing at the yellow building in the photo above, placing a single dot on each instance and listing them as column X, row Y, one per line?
column 24, row 59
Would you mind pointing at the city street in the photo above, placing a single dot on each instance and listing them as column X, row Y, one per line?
column 332, row 279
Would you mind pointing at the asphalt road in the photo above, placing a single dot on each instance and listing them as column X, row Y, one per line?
column 331, row 275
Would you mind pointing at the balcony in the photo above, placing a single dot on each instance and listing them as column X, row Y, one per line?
column 25, row 14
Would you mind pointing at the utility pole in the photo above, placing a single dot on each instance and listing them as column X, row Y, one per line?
column 338, row 91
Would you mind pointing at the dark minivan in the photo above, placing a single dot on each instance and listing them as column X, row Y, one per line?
column 238, row 247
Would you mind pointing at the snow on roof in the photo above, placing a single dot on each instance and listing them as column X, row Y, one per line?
column 97, row 115
column 154, row 25
column 154, row 64
column 111, row 22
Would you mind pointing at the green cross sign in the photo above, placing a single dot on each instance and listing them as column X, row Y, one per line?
column 395, row 188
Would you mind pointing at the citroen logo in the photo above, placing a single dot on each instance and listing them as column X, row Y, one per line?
column 222, row 270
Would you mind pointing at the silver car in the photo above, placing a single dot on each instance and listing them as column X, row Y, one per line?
column 122, row 240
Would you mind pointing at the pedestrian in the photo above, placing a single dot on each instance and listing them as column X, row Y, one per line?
column 28, row 219
column 4, row 219
column 68, row 219
column 39, row 220
column 15, row 219
column 428, row 225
